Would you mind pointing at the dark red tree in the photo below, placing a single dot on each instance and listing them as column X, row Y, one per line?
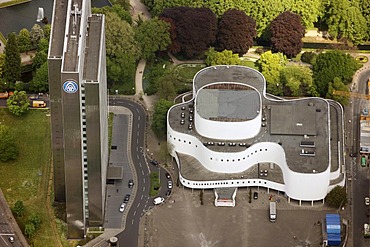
column 195, row 29
column 287, row 32
column 175, row 46
column 236, row 31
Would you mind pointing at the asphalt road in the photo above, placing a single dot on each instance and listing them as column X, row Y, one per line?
column 141, row 201
column 360, row 182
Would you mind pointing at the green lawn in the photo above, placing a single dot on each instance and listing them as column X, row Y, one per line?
column 27, row 178
column 186, row 72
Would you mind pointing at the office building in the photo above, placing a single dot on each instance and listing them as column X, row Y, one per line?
column 79, row 113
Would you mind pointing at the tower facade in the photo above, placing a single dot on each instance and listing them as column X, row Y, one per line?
column 79, row 113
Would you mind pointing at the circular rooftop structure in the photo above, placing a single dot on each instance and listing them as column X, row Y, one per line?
column 228, row 102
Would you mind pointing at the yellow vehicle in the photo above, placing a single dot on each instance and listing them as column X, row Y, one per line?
column 38, row 104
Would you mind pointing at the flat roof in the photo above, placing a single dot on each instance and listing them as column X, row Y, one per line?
column 58, row 28
column 226, row 104
column 293, row 119
column 287, row 122
column 93, row 44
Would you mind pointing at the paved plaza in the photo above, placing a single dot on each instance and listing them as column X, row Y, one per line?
column 182, row 221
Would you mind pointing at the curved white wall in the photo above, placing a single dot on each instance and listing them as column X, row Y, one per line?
column 300, row 186
column 230, row 130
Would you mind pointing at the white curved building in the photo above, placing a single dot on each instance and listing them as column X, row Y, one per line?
column 231, row 134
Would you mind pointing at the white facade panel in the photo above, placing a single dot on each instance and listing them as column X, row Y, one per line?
column 230, row 130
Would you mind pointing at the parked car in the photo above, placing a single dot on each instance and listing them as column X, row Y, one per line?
column 11, row 239
column 168, row 192
column 169, row 184
column 130, row 183
column 127, row 198
column 168, row 176
column 154, row 162
column 367, row 201
column 158, row 200
column 33, row 97
column 122, row 207
column 255, row 195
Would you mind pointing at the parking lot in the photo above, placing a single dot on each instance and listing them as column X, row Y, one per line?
column 183, row 221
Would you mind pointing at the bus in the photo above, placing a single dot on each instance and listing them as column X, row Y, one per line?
column 363, row 161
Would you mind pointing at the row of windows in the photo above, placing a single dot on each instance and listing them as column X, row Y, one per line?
column 226, row 183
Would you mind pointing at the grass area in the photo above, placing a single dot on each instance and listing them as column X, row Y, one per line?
column 13, row 2
column 154, row 183
column 2, row 38
column 27, row 178
column 186, row 72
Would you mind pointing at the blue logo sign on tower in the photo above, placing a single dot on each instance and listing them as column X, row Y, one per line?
column 70, row 87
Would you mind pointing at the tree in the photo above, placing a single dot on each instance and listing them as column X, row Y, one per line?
column 123, row 13
column 308, row 10
column 286, row 34
column 219, row 7
column 337, row 197
column 121, row 48
column 40, row 81
column 263, row 12
column 195, row 29
column 43, row 45
column 12, row 60
column 270, row 65
column 309, row 57
column 297, row 80
column 159, row 124
column 24, row 40
column 153, row 35
column 337, row 84
column 345, row 20
column 29, row 230
column 39, row 59
column 225, row 57
column 47, row 31
column 8, row 147
column 333, row 64
column 36, row 34
column 166, row 88
column 18, row 103
column 18, row 208
column 35, row 220
column 236, row 31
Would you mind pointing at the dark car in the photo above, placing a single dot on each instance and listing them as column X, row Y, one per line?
column 127, row 198
column 168, row 176
column 154, row 162
column 130, row 183
column 255, row 195
column 168, row 192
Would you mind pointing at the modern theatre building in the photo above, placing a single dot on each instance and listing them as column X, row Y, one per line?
column 79, row 112
column 232, row 134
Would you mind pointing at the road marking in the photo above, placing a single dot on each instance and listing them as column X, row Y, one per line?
column 142, row 172
column 130, row 104
column 138, row 117
column 132, row 221
column 138, row 205
column 144, row 188
column 135, row 213
column 140, row 164
column 137, row 133
column 141, row 196
column 143, row 178
column 137, row 110
column 137, row 156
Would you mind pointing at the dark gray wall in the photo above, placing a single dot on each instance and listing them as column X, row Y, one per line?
column 73, row 159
